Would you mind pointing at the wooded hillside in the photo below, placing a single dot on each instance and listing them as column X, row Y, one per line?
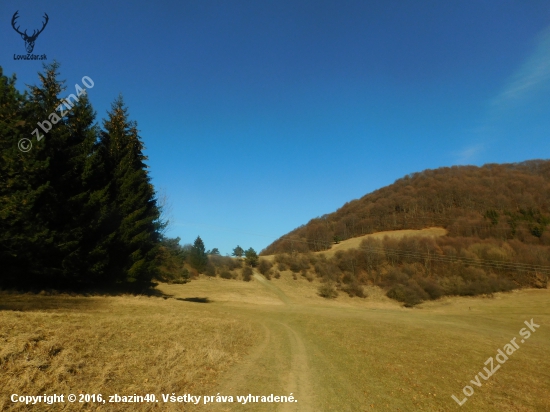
column 500, row 201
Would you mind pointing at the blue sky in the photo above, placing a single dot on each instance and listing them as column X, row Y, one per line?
column 260, row 115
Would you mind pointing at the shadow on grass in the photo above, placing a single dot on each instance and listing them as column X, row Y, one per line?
column 83, row 299
column 30, row 302
column 196, row 300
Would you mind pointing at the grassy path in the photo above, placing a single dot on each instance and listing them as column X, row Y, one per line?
column 356, row 355
column 276, row 337
column 278, row 365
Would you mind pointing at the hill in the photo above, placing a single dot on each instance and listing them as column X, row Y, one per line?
column 500, row 201
column 451, row 231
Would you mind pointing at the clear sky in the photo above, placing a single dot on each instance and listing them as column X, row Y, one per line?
column 260, row 115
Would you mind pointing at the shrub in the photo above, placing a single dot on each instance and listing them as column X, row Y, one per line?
column 327, row 290
column 347, row 278
column 233, row 264
column 282, row 266
column 276, row 274
column 431, row 287
column 226, row 274
column 247, row 273
column 405, row 294
column 354, row 289
column 264, row 266
column 210, row 270
column 394, row 277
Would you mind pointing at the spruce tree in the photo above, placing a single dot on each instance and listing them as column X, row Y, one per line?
column 132, row 226
column 17, row 197
column 199, row 259
column 78, row 209
column 61, row 211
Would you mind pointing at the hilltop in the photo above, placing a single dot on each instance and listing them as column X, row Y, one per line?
column 499, row 201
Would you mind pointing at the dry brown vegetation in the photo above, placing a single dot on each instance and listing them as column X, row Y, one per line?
column 124, row 345
column 492, row 235
column 278, row 336
column 500, row 201
column 414, row 268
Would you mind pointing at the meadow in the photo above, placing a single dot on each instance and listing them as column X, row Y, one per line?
column 216, row 336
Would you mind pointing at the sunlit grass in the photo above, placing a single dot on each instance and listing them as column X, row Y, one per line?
column 108, row 345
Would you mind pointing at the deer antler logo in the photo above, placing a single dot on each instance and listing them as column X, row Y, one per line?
column 29, row 40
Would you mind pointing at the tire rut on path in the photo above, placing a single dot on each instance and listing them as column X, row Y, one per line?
column 299, row 380
column 278, row 365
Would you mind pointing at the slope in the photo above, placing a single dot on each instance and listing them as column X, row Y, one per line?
column 501, row 201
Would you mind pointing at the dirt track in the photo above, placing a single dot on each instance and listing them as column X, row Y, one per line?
column 279, row 365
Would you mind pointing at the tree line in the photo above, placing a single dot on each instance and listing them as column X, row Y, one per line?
column 180, row 264
column 78, row 210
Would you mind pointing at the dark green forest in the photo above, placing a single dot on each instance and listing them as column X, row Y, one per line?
column 78, row 210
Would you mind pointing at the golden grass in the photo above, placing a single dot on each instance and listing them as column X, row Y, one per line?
column 355, row 242
column 278, row 336
column 108, row 345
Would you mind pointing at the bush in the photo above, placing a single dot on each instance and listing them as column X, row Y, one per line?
column 296, row 262
column 210, row 270
column 405, row 294
column 264, row 266
column 276, row 274
column 282, row 266
column 431, row 287
column 394, row 277
column 235, row 264
column 247, row 273
column 354, row 289
column 327, row 290
column 226, row 274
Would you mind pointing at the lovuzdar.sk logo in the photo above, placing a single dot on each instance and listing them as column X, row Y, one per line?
column 29, row 40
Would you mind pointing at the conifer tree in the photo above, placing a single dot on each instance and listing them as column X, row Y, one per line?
column 132, row 226
column 78, row 208
column 251, row 257
column 198, row 257
column 16, row 196
column 238, row 251
column 60, row 211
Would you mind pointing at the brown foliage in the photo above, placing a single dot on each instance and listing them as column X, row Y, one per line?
column 264, row 266
column 493, row 201
column 247, row 273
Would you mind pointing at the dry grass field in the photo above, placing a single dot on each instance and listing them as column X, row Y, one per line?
column 355, row 242
column 108, row 345
column 276, row 337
